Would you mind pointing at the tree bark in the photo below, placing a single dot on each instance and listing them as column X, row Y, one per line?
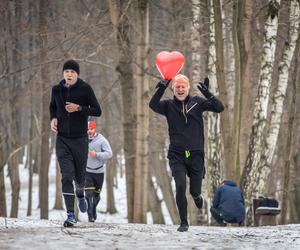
column 154, row 203
column 220, row 74
column 195, row 44
column 237, row 31
column 142, row 83
column 290, row 198
column 45, row 151
column 58, row 204
column 214, row 146
column 264, row 166
column 120, row 19
column 246, row 54
column 158, row 165
column 2, row 194
column 250, row 172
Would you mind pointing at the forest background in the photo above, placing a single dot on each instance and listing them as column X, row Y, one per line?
column 249, row 49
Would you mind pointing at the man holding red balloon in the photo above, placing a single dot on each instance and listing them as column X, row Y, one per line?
column 186, row 132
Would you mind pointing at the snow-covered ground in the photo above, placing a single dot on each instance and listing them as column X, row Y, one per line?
column 120, row 197
column 113, row 231
column 42, row 234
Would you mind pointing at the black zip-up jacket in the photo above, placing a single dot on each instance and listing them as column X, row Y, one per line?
column 185, row 119
column 73, row 125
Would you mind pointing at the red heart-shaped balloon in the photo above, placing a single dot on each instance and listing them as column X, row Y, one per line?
column 169, row 63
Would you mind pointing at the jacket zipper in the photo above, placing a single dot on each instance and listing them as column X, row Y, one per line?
column 183, row 112
column 68, row 99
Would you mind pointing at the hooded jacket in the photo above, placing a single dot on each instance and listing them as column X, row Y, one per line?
column 73, row 125
column 184, row 119
column 229, row 200
column 103, row 152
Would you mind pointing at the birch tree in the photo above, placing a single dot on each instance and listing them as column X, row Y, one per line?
column 195, row 43
column 250, row 172
column 264, row 167
column 195, row 77
column 214, row 162
column 220, row 75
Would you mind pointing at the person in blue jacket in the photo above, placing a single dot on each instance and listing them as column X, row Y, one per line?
column 228, row 204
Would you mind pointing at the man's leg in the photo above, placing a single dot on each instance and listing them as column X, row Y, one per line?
column 89, row 194
column 98, row 187
column 65, row 160
column 80, row 153
column 195, row 172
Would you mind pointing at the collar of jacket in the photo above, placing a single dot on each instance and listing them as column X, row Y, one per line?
column 62, row 83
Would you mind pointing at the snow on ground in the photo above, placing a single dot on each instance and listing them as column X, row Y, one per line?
column 113, row 231
column 120, row 198
column 42, row 234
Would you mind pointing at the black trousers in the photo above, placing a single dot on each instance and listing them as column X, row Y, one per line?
column 72, row 158
column 93, row 186
column 193, row 167
column 94, row 181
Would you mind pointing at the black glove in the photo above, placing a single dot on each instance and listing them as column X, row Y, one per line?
column 163, row 83
column 203, row 87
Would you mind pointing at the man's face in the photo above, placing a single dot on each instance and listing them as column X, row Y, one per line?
column 181, row 91
column 91, row 132
column 70, row 76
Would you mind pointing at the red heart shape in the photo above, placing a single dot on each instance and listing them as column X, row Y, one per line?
column 169, row 63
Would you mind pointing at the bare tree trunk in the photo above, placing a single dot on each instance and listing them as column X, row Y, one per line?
column 45, row 151
column 287, row 166
column 225, row 122
column 236, row 34
column 195, row 43
column 154, row 204
column 214, row 146
column 290, row 199
column 142, row 82
column 119, row 17
column 58, row 204
column 246, row 59
column 249, row 176
column 264, row 166
column 110, row 174
column 30, row 176
column 158, row 166
column 2, row 194
column 13, row 108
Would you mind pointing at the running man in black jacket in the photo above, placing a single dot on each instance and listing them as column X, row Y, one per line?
column 186, row 149
column 72, row 101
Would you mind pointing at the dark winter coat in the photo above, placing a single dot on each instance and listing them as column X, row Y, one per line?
column 229, row 201
column 73, row 125
column 185, row 119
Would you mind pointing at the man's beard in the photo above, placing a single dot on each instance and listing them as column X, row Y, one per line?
column 91, row 135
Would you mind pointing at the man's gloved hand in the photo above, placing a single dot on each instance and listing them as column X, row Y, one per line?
column 163, row 83
column 203, row 87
